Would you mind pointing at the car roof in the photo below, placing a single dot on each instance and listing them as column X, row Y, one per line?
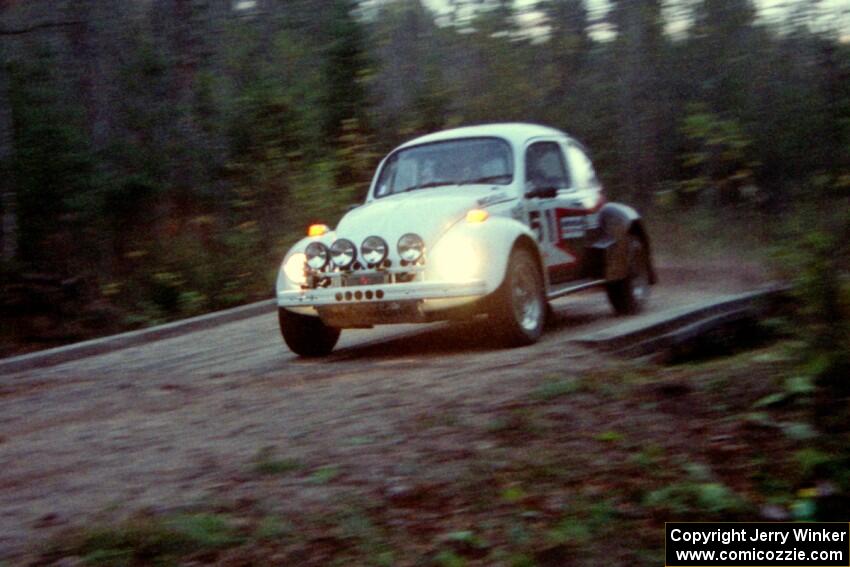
column 516, row 133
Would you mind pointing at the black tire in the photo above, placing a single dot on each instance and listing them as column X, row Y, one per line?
column 630, row 295
column 306, row 335
column 519, row 307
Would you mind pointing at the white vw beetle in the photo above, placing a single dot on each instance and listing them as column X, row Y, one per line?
column 494, row 219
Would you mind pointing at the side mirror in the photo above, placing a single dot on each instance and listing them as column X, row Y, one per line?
column 542, row 193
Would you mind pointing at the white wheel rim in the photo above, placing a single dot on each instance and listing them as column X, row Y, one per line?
column 526, row 299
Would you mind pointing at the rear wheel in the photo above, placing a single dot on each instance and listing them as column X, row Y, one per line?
column 630, row 295
column 306, row 335
column 519, row 312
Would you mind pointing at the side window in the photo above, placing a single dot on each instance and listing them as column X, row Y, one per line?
column 545, row 167
column 582, row 169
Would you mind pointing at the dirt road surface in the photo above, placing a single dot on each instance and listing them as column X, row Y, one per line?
column 171, row 424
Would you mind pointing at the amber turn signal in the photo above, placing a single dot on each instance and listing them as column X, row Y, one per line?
column 477, row 215
column 317, row 229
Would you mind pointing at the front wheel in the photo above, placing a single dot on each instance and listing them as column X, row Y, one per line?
column 630, row 295
column 520, row 305
column 306, row 335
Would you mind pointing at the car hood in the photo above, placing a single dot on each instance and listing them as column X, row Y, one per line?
column 427, row 212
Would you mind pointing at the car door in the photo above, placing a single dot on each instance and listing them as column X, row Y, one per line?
column 546, row 177
column 576, row 212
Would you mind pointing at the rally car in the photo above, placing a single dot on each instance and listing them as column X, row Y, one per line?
column 490, row 221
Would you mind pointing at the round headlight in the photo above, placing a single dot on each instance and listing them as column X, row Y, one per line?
column 317, row 255
column 343, row 252
column 410, row 247
column 294, row 268
column 374, row 249
column 456, row 258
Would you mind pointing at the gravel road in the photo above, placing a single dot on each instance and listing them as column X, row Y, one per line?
column 178, row 422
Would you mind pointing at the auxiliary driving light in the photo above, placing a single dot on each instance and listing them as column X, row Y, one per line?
column 317, row 255
column 410, row 247
column 343, row 252
column 374, row 249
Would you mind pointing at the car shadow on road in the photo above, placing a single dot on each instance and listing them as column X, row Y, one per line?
column 453, row 338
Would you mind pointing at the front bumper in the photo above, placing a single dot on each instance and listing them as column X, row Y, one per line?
column 426, row 292
column 380, row 304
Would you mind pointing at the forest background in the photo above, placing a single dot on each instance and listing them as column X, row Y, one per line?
column 157, row 157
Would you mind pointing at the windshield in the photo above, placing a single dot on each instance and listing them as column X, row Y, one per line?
column 453, row 162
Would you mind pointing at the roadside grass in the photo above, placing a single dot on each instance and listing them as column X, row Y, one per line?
column 325, row 474
column 272, row 528
column 515, row 425
column 150, row 540
column 277, row 466
column 555, row 386
column 266, row 463
column 578, row 469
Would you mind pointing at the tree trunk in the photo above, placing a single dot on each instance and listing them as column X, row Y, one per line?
column 8, row 199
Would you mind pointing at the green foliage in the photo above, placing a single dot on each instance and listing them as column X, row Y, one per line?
column 610, row 437
column 522, row 561
column 718, row 159
column 569, row 530
column 648, row 457
column 266, row 463
column 699, row 493
column 799, row 385
column 821, row 276
column 272, row 528
column 448, row 558
column 555, row 387
column 799, row 431
column 277, row 466
column 345, row 67
column 822, row 267
column 771, row 399
column 150, row 541
column 587, row 520
column 325, row 474
column 465, row 537
column 205, row 530
column 696, row 498
column 810, row 460
column 53, row 167
column 513, row 494
column 517, row 422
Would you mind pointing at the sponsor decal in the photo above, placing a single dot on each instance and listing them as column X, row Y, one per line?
column 572, row 227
